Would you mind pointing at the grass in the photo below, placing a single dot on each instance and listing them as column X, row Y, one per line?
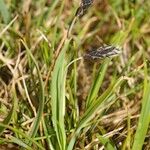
column 53, row 98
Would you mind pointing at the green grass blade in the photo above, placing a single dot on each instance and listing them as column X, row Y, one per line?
column 4, row 12
column 23, row 135
column 97, row 83
column 37, row 120
column 92, row 110
column 49, row 143
column 144, row 119
column 58, row 97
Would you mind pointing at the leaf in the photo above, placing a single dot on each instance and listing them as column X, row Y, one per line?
column 97, row 83
column 58, row 97
column 37, row 119
column 144, row 119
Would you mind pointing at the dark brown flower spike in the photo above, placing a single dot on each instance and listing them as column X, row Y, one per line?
column 80, row 12
column 103, row 52
column 85, row 4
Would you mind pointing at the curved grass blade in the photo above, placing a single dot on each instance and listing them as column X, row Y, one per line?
column 37, row 119
column 144, row 119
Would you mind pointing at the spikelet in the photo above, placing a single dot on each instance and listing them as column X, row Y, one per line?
column 85, row 4
column 103, row 52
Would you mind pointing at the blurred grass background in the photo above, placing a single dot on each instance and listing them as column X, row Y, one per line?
column 51, row 98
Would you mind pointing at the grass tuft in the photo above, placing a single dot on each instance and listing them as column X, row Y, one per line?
column 63, row 84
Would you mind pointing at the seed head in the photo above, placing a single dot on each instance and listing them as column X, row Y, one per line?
column 85, row 4
column 103, row 52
